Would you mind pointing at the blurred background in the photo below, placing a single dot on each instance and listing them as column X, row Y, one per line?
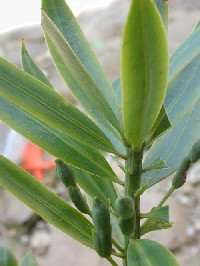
column 102, row 22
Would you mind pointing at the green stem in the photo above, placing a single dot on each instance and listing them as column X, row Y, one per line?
column 112, row 262
column 167, row 195
column 133, row 167
column 119, row 255
column 117, row 245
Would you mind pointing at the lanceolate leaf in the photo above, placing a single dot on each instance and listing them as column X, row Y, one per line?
column 184, row 79
column 144, row 70
column 96, row 186
column 162, row 6
column 28, row 260
column 149, row 253
column 44, row 202
column 54, row 141
column 160, row 214
column 162, row 122
column 30, row 67
column 156, row 164
column 35, row 97
column 7, row 258
column 182, row 104
column 88, row 90
column 59, row 12
column 161, row 125
column 173, row 146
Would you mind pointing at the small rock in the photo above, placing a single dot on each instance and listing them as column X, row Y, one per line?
column 184, row 200
column 197, row 226
column 40, row 242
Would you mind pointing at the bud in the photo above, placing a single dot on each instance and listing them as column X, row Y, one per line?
column 195, row 152
column 101, row 216
column 78, row 199
column 180, row 176
column 102, row 244
column 125, row 207
column 127, row 226
column 65, row 173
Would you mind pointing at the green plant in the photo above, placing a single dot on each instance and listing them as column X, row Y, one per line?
column 160, row 112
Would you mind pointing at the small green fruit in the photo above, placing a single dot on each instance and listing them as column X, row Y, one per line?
column 127, row 226
column 125, row 207
column 78, row 199
column 180, row 177
column 195, row 152
column 65, row 173
column 101, row 216
column 103, row 244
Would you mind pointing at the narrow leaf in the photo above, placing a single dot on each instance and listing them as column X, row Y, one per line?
column 96, row 186
column 30, row 67
column 162, row 6
column 144, row 70
column 59, row 12
column 117, row 89
column 157, row 164
column 77, row 71
column 35, row 97
column 182, row 104
column 161, row 214
column 54, row 141
column 184, row 79
column 173, row 146
column 28, row 260
column 161, row 125
column 162, row 122
column 147, row 252
column 44, row 202
column 7, row 258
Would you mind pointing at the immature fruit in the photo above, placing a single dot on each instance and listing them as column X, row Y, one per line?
column 126, row 226
column 180, row 177
column 125, row 207
column 101, row 216
column 102, row 244
column 195, row 152
column 65, row 173
column 78, row 199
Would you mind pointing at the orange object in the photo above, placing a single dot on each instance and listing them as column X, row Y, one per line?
column 32, row 161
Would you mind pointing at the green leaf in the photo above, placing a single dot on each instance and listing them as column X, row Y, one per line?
column 154, row 225
column 117, row 89
column 30, row 67
column 182, row 104
column 160, row 214
column 156, row 164
column 77, row 71
column 59, row 12
column 35, row 97
column 55, row 142
column 173, row 146
column 28, row 260
column 197, row 25
column 161, row 125
column 96, row 186
column 7, row 258
column 144, row 70
column 44, row 202
column 147, row 252
column 162, row 6
column 184, row 79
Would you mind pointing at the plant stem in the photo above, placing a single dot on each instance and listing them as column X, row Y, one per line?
column 133, row 167
column 112, row 262
column 167, row 195
column 119, row 255
column 117, row 246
